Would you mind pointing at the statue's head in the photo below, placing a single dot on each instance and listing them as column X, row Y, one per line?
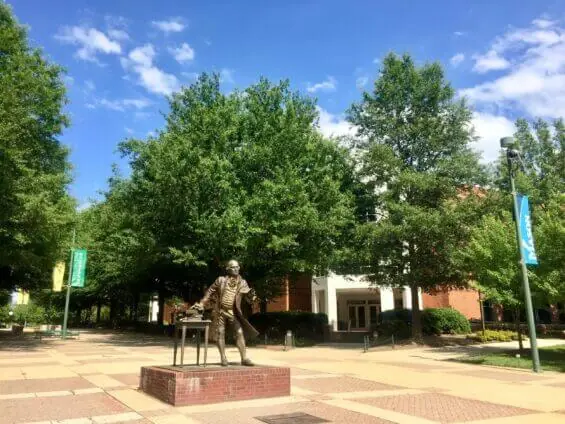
column 233, row 267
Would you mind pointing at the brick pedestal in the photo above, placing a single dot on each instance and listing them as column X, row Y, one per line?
column 197, row 385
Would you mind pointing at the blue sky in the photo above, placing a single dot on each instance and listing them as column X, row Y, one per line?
column 124, row 57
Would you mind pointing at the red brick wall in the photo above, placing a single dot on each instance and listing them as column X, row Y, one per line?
column 438, row 299
column 214, row 385
column 465, row 301
column 300, row 292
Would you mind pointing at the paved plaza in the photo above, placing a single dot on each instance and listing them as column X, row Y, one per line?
column 94, row 379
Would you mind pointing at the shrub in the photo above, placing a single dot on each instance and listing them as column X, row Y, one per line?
column 495, row 336
column 399, row 328
column 30, row 314
column 436, row 321
column 404, row 315
column 302, row 324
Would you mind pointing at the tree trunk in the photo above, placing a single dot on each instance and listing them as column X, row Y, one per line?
column 518, row 330
column 416, row 316
column 136, row 307
column 98, row 312
column 263, row 306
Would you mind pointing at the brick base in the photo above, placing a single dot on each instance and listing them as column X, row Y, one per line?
column 197, row 385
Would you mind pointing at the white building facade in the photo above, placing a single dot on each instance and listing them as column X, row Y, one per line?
column 352, row 303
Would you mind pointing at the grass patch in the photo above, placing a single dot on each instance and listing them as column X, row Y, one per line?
column 551, row 358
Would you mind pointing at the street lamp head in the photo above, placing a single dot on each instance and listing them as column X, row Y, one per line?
column 507, row 142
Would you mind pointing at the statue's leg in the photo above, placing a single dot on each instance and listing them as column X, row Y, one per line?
column 221, row 340
column 240, row 343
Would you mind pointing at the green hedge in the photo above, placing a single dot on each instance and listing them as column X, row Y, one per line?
column 302, row 324
column 436, row 321
column 496, row 336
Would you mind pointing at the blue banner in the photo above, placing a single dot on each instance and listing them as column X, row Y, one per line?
column 526, row 234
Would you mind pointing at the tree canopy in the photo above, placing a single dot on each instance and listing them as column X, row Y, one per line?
column 417, row 157
column 37, row 211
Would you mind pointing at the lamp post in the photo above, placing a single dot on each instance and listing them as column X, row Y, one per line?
column 514, row 160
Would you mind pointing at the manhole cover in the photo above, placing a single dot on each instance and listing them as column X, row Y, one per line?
column 295, row 418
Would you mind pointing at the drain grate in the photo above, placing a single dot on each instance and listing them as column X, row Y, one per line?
column 294, row 418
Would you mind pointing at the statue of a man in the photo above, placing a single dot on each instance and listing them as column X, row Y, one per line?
column 226, row 293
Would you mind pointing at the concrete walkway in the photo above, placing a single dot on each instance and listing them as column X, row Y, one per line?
column 94, row 380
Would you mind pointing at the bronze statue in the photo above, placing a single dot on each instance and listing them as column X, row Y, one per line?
column 226, row 293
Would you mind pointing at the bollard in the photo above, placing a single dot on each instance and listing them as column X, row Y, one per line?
column 288, row 340
column 365, row 344
column 393, row 341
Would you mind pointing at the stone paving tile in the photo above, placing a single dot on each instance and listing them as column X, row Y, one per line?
column 247, row 415
column 47, row 363
column 340, row 384
column 412, row 366
column 500, row 376
column 302, row 371
column 127, row 379
column 43, row 385
column 102, row 380
column 58, row 408
column 115, row 360
column 53, row 371
column 443, row 408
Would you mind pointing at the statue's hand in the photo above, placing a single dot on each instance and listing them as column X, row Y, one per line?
column 252, row 295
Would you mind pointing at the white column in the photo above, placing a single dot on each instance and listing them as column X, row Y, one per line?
column 420, row 301
column 387, row 298
column 314, row 301
column 331, row 304
column 406, row 298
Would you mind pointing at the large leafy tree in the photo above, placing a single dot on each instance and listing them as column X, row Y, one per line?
column 492, row 255
column 243, row 175
column 415, row 139
column 36, row 211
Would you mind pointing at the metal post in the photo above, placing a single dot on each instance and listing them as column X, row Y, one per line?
column 482, row 305
column 525, row 282
column 68, row 298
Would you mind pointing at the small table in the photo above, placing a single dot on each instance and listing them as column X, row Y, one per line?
column 195, row 324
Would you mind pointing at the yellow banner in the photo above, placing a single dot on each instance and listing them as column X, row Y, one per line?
column 58, row 275
column 23, row 297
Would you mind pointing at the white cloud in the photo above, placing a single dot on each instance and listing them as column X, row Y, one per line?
column 155, row 80
column 226, row 75
column 331, row 125
column 89, row 86
column 182, row 54
column 329, row 84
column 490, row 61
column 84, row 206
column 123, row 104
column 535, row 84
column 171, row 25
column 543, row 23
column 143, row 55
column 457, row 59
column 490, row 129
column 129, row 130
column 90, row 41
column 69, row 80
column 118, row 34
column 458, row 33
column 361, row 82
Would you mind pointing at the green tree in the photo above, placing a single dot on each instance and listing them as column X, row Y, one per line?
column 36, row 211
column 244, row 175
column 415, row 139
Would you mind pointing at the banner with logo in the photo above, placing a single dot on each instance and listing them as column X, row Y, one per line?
column 58, row 276
column 526, row 233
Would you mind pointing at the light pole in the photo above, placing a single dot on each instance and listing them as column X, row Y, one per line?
column 514, row 161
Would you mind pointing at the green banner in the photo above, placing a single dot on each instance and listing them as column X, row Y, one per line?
column 78, row 275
